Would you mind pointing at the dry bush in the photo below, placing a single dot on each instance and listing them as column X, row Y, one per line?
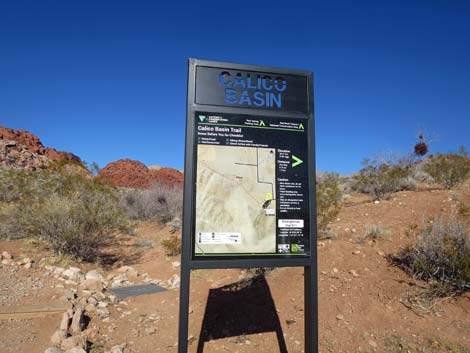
column 464, row 211
column 449, row 169
column 172, row 245
column 421, row 148
column 73, row 214
column 380, row 180
column 441, row 256
column 374, row 232
column 328, row 201
column 161, row 203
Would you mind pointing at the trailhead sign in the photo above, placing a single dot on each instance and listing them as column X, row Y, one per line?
column 249, row 189
column 251, row 186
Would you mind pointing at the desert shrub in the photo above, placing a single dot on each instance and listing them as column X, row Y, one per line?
column 73, row 214
column 441, row 255
column 449, row 169
column 328, row 200
column 161, row 203
column 143, row 244
column 379, row 180
column 464, row 211
column 22, row 184
column 374, row 232
column 172, row 245
column 412, row 230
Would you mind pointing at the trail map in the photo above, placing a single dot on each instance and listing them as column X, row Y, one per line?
column 251, row 186
column 235, row 206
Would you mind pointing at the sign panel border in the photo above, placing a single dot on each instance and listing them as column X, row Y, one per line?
column 190, row 169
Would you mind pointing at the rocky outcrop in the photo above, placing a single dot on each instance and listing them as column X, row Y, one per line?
column 22, row 149
column 16, row 155
column 24, row 138
column 134, row 174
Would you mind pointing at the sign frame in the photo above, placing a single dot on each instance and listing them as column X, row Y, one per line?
column 188, row 260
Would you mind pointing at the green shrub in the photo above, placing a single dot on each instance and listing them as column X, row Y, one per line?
column 379, row 180
column 449, row 169
column 440, row 255
column 73, row 214
column 328, row 200
column 161, row 203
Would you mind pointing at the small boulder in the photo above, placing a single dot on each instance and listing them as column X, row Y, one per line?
column 78, row 321
column 72, row 274
column 121, row 278
column 69, row 295
column 118, row 349
column 6, row 255
column 58, row 337
column 92, row 284
column 52, row 350
column 90, row 308
column 103, row 313
column 102, row 305
column 174, row 281
column 65, row 322
column 92, row 301
column 75, row 350
column 72, row 342
column 123, row 269
column 93, row 274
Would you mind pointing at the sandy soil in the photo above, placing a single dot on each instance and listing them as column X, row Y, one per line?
column 361, row 295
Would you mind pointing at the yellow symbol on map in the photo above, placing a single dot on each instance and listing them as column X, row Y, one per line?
column 267, row 200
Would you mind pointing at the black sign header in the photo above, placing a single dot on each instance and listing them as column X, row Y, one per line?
column 248, row 89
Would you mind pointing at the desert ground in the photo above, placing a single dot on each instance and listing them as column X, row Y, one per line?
column 365, row 303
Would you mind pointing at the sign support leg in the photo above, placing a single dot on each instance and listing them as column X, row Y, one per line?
column 184, row 308
column 311, row 309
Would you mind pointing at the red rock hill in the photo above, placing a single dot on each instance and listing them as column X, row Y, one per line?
column 22, row 149
column 134, row 174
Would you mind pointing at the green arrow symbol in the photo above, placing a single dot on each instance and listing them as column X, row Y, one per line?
column 202, row 117
column 296, row 162
column 261, row 123
column 301, row 126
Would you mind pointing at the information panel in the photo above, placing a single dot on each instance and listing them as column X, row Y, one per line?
column 251, row 185
column 249, row 177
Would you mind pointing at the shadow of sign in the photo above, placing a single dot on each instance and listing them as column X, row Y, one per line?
column 241, row 308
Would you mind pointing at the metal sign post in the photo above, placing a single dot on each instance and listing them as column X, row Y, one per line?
column 249, row 188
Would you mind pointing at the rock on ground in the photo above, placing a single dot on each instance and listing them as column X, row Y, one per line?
column 77, row 321
column 76, row 350
column 58, row 337
column 52, row 350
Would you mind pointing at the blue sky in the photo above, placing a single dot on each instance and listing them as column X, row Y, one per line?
column 107, row 79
